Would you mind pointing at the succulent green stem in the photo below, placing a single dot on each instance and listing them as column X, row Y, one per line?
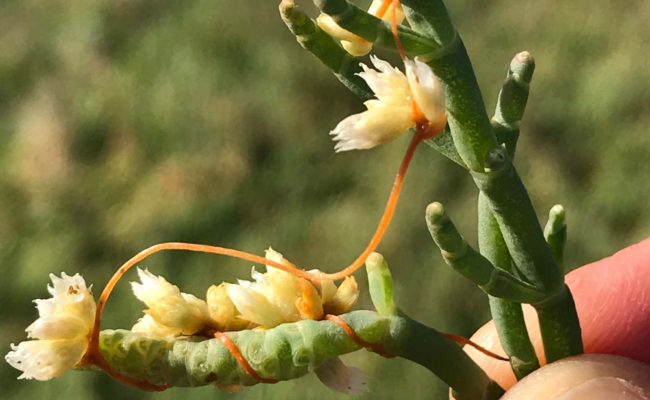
column 555, row 232
column 291, row 350
column 508, row 316
column 559, row 326
column 511, row 206
column 460, row 256
column 325, row 48
column 470, row 127
column 444, row 143
column 512, row 100
column 430, row 17
column 352, row 18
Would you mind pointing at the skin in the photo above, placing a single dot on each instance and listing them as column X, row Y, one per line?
column 613, row 301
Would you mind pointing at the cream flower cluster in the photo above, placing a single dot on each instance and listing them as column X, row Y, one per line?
column 170, row 312
column 270, row 299
column 62, row 331
column 399, row 99
column 354, row 44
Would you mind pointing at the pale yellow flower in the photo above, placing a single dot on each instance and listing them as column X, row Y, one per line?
column 343, row 299
column 354, row 44
column 175, row 311
column 62, row 330
column 393, row 112
column 147, row 324
column 222, row 310
column 254, row 306
column 276, row 297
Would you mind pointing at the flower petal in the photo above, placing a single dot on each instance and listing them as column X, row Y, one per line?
column 387, row 82
column 345, row 297
column 62, row 326
column 327, row 24
column 342, row 378
column 147, row 324
column 69, row 295
column 379, row 124
column 168, row 306
column 254, row 307
column 428, row 92
column 46, row 359
column 388, row 15
column 222, row 310
column 310, row 303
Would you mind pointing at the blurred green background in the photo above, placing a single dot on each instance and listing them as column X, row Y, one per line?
column 125, row 123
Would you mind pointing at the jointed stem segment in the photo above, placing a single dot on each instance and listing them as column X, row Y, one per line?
column 243, row 363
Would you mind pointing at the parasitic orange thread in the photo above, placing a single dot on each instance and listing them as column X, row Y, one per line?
column 374, row 347
column 465, row 341
column 243, row 363
column 393, row 28
column 386, row 218
column 94, row 357
column 384, row 222
column 381, row 11
column 422, row 132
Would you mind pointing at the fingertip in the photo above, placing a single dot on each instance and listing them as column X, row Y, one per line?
column 613, row 301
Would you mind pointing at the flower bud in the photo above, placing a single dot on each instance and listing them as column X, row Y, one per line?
column 344, row 298
column 168, row 306
column 222, row 310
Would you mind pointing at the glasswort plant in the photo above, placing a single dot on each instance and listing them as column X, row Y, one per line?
column 289, row 321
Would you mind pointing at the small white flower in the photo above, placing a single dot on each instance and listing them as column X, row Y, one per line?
column 168, row 306
column 276, row 297
column 254, row 306
column 62, row 330
column 222, row 310
column 147, row 324
column 393, row 111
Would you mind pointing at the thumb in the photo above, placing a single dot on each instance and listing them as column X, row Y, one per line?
column 588, row 376
column 612, row 298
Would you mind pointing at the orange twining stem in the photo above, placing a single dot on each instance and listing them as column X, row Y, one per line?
column 243, row 363
column 93, row 349
column 381, row 11
column 465, row 341
column 97, row 359
column 393, row 27
column 374, row 347
column 386, row 218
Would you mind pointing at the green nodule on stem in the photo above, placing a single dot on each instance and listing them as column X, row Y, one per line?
column 512, row 100
column 555, row 232
column 380, row 285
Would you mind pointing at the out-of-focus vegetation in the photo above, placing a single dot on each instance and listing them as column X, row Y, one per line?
column 130, row 122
